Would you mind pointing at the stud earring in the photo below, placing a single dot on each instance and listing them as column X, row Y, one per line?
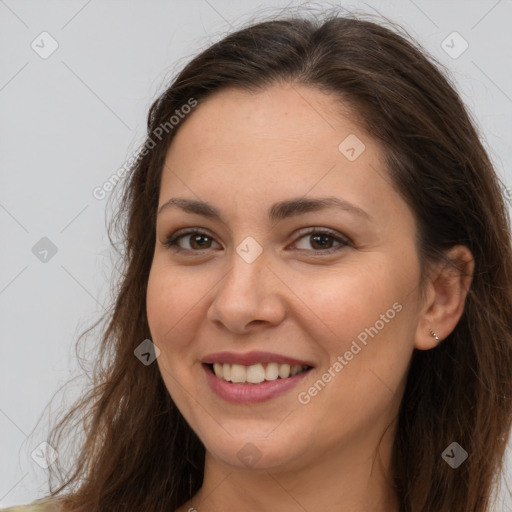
column 434, row 334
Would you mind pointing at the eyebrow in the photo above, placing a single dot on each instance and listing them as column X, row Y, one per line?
column 278, row 211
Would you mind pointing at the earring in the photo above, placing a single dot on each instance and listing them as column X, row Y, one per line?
column 434, row 334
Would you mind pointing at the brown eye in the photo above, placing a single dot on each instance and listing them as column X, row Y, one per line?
column 197, row 241
column 323, row 241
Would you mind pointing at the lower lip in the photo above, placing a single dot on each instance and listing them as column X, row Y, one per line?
column 249, row 393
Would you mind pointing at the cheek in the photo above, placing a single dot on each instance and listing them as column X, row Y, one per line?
column 346, row 302
column 366, row 353
column 173, row 307
column 173, row 300
column 159, row 303
column 168, row 311
column 363, row 316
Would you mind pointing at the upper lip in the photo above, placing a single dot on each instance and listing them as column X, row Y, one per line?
column 250, row 358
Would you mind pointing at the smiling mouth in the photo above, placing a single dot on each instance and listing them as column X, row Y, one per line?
column 256, row 373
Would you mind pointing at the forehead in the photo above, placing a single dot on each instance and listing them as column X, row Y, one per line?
column 285, row 141
column 279, row 126
column 285, row 112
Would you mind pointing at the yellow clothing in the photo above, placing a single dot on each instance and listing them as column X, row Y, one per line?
column 45, row 505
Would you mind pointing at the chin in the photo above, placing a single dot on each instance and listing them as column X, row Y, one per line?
column 255, row 452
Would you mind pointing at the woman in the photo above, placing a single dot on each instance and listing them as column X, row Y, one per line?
column 315, row 309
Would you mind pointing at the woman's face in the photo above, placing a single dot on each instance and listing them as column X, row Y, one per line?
column 281, row 279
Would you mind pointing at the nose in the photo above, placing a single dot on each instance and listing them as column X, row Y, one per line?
column 248, row 297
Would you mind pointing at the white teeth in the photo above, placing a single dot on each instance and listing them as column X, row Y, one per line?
column 238, row 373
column 217, row 368
column 284, row 371
column 256, row 373
column 226, row 372
column 272, row 371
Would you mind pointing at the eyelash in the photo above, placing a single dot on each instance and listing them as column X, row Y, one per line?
column 171, row 240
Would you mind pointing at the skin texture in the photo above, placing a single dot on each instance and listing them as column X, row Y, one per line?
column 242, row 152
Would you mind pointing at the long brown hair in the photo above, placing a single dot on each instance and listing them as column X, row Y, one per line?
column 137, row 451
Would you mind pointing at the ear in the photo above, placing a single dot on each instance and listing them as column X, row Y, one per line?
column 447, row 287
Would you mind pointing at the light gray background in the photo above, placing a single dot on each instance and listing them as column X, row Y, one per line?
column 69, row 121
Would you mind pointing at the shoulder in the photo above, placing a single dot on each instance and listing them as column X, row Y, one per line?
column 44, row 505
